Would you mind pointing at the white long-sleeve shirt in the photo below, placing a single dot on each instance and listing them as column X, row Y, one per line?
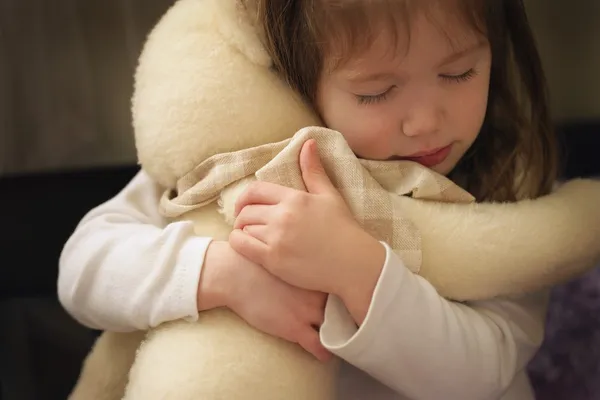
column 125, row 268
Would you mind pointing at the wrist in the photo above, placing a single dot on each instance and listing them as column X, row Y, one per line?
column 361, row 276
column 213, row 290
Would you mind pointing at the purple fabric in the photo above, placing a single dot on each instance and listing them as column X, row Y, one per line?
column 568, row 364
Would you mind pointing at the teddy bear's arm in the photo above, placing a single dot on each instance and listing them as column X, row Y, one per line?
column 480, row 251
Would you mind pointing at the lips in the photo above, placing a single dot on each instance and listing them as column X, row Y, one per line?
column 429, row 158
column 426, row 153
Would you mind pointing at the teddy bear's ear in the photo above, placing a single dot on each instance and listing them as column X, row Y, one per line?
column 204, row 86
column 244, row 31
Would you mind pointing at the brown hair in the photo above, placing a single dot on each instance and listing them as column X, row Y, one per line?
column 515, row 154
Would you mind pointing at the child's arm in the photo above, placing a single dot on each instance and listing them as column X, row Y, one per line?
column 410, row 338
column 124, row 268
column 426, row 347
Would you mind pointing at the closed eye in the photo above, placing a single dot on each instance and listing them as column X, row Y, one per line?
column 363, row 99
column 465, row 77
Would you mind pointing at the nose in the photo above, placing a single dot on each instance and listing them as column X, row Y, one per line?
column 421, row 120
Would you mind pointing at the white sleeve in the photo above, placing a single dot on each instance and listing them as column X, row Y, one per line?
column 412, row 336
column 125, row 268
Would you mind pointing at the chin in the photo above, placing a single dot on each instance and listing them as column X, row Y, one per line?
column 442, row 171
column 445, row 167
column 448, row 165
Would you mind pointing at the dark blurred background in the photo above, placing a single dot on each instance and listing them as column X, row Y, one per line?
column 66, row 145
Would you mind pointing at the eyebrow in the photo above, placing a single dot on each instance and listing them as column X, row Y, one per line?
column 357, row 77
column 467, row 51
column 360, row 77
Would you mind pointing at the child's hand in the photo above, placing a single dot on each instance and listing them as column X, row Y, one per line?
column 308, row 239
column 261, row 299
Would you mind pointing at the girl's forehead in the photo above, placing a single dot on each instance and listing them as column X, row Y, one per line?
column 359, row 28
column 426, row 38
column 358, row 16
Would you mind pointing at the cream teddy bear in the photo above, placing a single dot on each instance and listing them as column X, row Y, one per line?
column 210, row 116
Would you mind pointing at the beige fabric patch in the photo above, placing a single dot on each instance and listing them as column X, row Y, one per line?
column 370, row 188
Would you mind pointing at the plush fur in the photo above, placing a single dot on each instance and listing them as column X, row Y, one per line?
column 204, row 86
column 203, row 79
column 509, row 248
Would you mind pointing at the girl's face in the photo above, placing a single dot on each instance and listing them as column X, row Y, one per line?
column 425, row 102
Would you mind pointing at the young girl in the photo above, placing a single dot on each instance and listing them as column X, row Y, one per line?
column 455, row 85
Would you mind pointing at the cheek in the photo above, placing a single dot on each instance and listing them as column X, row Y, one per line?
column 368, row 141
column 470, row 112
column 365, row 130
column 367, row 133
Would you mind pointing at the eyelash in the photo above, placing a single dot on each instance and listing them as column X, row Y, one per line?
column 377, row 98
column 372, row 99
column 460, row 78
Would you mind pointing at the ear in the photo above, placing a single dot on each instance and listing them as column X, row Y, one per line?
column 203, row 86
